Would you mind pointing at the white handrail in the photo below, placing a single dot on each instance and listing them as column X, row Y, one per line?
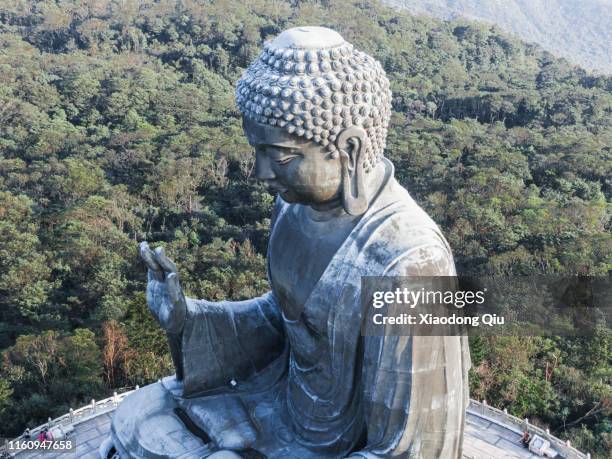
column 520, row 425
column 74, row 417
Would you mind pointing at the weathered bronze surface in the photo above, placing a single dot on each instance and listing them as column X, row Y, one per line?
column 288, row 375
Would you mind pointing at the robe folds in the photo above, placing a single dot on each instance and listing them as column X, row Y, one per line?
column 314, row 387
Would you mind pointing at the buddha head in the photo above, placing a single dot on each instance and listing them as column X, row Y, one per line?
column 316, row 111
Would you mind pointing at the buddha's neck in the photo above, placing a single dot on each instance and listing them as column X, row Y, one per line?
column 374, row 180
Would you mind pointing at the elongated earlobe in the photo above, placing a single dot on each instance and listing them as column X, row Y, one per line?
column 351, row 143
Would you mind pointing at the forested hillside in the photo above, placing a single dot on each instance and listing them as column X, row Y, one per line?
column 118, row 124
column 579, row 30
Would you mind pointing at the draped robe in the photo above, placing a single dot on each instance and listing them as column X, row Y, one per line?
column 314, row 387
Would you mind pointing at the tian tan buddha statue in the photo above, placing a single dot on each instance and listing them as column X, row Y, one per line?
column 289, row 374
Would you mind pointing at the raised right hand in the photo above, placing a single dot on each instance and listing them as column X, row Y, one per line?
column 164, row 293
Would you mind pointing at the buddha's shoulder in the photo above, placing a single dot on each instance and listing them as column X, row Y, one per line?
column 397, row 206
column 401, row 226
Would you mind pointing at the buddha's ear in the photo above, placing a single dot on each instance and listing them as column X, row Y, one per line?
column 351, row 144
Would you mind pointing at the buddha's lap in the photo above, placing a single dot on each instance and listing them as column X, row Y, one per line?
column 146, row 424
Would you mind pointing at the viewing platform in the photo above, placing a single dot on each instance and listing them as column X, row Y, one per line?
column 489, row 433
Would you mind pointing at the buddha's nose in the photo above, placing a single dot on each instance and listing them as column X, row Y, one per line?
column 263, row 167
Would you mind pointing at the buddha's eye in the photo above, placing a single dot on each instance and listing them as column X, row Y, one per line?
column 286, row 159
column 281, row 155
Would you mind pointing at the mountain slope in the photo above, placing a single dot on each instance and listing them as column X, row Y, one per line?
column 579, row 30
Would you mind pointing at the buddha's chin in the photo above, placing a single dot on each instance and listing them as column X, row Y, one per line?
column 292, row 198
column 289, row 197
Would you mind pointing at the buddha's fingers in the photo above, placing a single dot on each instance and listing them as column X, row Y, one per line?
column 155, row 270
column 162, row 260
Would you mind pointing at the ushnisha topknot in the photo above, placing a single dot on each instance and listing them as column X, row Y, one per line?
column 313, row 83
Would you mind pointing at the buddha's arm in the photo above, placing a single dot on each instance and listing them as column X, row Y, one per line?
column 225, row 343
column 213, row 344
column 229, row 341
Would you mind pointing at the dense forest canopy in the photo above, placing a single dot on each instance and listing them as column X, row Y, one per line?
column 118, row 124
column 578, row 30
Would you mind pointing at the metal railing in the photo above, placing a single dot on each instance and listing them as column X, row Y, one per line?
column 481, row 409
column 74, row 417
column 517, row 425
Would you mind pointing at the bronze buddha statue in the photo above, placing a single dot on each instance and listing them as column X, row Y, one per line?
column 289, row 374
